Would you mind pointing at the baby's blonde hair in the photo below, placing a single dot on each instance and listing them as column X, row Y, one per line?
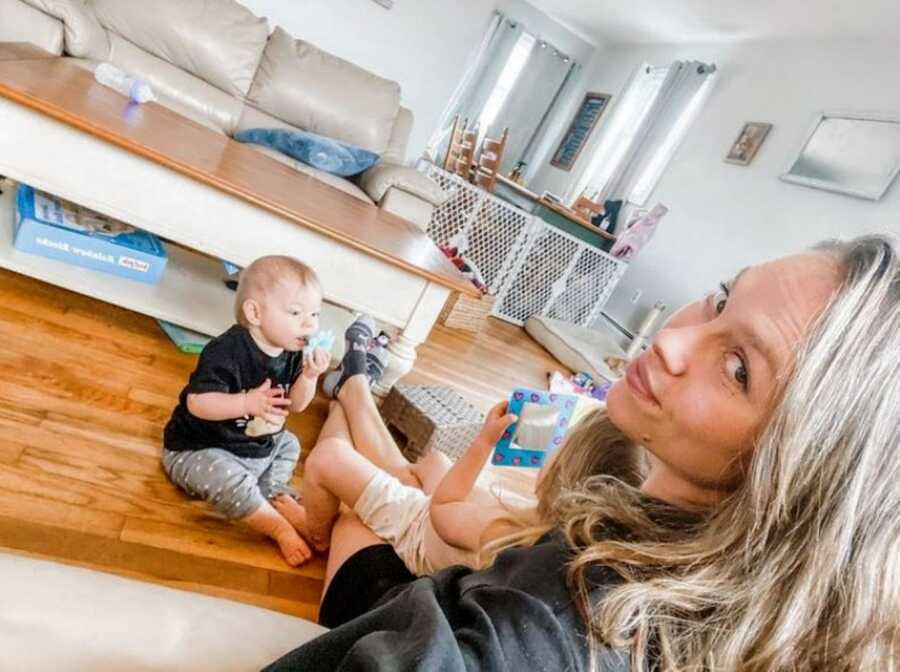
column 263, row 274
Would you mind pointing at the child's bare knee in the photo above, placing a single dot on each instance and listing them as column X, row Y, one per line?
column 325, row 458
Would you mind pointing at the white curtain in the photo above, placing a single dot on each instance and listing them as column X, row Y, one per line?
column 645, row 128
column 529, row 101
column 685, row 89
column 479, row 80
column 513, row 81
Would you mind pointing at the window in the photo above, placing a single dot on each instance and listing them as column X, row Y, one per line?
column 652, row 117
column 652, row 171
column 508, row 76
column 620, row 133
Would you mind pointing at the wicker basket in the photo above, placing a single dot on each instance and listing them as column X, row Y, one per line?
column 431, row 417
column 465, row 312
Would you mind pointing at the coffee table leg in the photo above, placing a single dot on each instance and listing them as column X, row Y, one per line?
column 403, row 358
column 403, row 346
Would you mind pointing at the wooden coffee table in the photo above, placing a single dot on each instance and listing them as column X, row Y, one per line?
column 62, row 132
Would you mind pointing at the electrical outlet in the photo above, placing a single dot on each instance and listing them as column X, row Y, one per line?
column 636, row 295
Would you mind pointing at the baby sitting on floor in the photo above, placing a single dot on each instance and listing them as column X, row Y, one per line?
column 226, row 441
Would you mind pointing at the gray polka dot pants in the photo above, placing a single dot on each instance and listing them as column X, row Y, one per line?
column 234, row 486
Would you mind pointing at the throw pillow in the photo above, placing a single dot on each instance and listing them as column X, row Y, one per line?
column 326, row 154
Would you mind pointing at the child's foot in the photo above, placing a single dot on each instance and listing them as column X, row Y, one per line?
column 356, row 340
column 293, row 548
column 275, row 526
column 295, row 514
column 377, row 357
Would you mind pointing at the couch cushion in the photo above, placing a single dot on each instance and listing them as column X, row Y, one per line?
column 58, row 617
column 84, row 36
column 396, row 149
column 219, row 41
column 177, row 89
column 23, row 23
column 332, row 180
column 377, row 180
column 579, row 348
column 332, row 156
column 318, row 92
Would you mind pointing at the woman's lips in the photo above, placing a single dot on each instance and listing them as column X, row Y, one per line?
column 639, row 382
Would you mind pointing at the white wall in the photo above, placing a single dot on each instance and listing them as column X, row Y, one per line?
column 722, row 216
column 422, row 44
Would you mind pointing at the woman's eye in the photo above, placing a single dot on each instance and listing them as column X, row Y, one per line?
column 737, row 370
column 720, row 298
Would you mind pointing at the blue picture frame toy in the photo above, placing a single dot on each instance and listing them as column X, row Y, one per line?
column 543, row 419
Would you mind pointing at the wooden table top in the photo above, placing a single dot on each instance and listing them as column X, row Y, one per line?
column 68, row 93
column 574, row 217
column 22, row 51
column 518, row 188
column 558, row 208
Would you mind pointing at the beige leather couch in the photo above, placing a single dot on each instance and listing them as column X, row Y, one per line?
column 217, row 63
column 59, row 618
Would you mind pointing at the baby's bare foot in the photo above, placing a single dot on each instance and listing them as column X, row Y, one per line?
column 295, row 514
column 293, row 548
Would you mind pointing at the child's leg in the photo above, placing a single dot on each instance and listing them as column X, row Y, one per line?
column 430, row 469
column 333, row 473
column 269, row 522
column 370, row 435
column 226, row 483
column 277, row 478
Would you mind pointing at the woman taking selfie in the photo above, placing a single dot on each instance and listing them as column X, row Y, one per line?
column 763, row 537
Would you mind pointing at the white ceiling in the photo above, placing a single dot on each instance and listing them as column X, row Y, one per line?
column 683, row 21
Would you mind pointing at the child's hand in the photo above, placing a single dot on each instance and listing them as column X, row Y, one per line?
column 266, row 402
column 317, row 363
column 496, row 422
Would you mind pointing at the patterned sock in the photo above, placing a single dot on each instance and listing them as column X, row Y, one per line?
column 356, row 341
column 377, row 357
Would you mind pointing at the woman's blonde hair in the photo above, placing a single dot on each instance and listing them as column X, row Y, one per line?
column 799, row 568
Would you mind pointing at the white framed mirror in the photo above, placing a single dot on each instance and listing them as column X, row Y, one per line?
column 856, row 153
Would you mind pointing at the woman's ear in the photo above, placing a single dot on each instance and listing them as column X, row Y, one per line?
column 252, row 312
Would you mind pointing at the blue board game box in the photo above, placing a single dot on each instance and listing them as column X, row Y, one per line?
column 55, row 228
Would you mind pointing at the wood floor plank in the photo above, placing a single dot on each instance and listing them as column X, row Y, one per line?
column 10, row 451
column 163, row 564
column 246, row 547
column 35, row 501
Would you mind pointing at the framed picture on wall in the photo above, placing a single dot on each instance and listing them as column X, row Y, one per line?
column 589, row 112
column 748, row 142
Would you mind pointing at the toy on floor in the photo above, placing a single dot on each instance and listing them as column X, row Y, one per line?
column 543, row 418
column 579, row 384
column 454, row 251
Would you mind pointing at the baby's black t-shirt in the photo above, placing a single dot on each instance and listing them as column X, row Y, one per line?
column 230, row 363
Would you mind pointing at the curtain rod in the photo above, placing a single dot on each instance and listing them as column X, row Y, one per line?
column 512, row 23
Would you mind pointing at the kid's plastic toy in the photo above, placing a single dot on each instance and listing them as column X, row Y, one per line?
column 321, row 339
column 543, row 420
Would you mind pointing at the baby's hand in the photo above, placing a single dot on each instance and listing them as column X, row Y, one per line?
column 496, row 422
column 317, row 363
column 266, row 402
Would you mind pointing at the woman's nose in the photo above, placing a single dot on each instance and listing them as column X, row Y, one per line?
column 676, row 347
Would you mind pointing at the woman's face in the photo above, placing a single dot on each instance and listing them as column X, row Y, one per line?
column 700, row 394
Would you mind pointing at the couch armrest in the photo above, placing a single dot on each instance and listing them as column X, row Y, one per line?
column 379, row 178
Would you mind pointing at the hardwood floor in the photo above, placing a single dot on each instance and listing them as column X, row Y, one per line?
column 85, row 391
